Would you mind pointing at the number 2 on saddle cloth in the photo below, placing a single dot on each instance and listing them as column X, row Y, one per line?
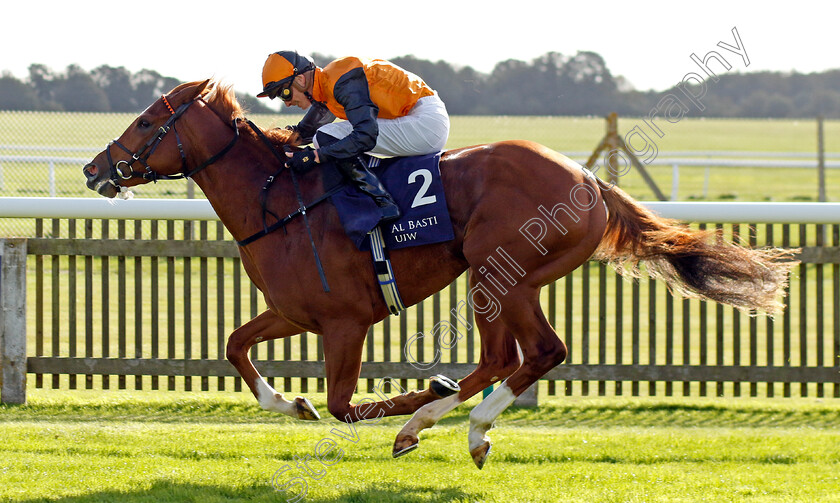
column 415, row 184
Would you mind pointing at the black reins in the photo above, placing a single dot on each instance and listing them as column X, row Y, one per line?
column 301, row 206
column 282, row 222
column 122, row 170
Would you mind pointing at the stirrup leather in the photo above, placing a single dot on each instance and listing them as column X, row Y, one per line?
column 384, row 272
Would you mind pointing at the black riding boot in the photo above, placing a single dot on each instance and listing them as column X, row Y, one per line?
column 368, row 183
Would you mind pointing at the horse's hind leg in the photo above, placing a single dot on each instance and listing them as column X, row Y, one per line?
column 542, row 351
column 499, row 359
column 266, row 326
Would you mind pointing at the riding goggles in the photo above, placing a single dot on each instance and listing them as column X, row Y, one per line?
column 281, row 89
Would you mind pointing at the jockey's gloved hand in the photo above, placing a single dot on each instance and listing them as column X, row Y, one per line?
column 302, row 161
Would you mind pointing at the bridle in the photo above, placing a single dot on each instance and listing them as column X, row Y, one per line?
column 122, row 170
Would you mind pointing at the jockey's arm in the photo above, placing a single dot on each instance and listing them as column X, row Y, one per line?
column 352, row 92
column 317, row 115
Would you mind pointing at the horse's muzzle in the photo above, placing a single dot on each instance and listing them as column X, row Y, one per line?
column 91, row 170
column 98, row 181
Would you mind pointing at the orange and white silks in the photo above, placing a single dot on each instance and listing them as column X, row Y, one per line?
column 394, row 90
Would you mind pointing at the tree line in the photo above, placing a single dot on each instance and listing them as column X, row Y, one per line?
column 104, row 89
column 552, row 84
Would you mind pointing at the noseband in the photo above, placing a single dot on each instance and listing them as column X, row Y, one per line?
column 122, row 170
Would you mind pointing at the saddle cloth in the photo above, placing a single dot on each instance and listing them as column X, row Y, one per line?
column 415, row 184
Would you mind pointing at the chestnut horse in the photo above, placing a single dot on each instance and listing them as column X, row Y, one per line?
column 543, row 211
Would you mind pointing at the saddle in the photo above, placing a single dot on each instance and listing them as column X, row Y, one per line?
column 425, row 220
column 415, row 184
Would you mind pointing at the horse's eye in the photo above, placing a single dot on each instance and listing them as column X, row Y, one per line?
column 143, row 124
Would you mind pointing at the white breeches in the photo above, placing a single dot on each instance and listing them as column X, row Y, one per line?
column 423, row 131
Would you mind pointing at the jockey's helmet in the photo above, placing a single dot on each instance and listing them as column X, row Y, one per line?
column 279, row 71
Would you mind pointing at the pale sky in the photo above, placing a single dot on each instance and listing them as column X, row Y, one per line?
column 649, row 43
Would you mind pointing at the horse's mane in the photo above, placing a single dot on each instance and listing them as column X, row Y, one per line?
column 221, row 98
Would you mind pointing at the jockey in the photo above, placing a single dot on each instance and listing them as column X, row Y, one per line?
column 389, row 112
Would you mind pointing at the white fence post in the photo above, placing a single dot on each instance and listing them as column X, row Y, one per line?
column 820, row 160
column 13, row 320
column 675, row 182
column 52, row 178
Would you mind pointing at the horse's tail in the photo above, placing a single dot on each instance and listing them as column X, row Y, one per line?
column 694, row 263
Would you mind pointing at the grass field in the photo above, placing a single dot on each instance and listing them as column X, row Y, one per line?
column 578, row 135
column 175, row 447
column 564, row 134
column 147, row 446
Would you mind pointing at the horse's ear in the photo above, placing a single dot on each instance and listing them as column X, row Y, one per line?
column 190, row 91
column 198, row 90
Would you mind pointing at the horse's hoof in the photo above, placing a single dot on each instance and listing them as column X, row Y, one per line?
column 443, row 386
column 405, row 451
column 305, row 410
column 404, row 445
column 480, row 454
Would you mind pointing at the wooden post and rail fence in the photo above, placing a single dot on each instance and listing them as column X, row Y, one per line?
column 121, row 303
column 142, row 294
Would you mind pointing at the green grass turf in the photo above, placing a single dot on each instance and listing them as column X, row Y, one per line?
column 571, row 135
column 209, row 447
column 564, row 134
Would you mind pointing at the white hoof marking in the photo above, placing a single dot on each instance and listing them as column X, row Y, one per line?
column 483, row 415
column 269, row 399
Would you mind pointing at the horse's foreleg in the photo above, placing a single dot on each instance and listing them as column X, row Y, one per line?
column 265, row 327
column 343, row 360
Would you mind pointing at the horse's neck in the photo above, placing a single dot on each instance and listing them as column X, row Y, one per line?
column 234, row 186
column 234, row 183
